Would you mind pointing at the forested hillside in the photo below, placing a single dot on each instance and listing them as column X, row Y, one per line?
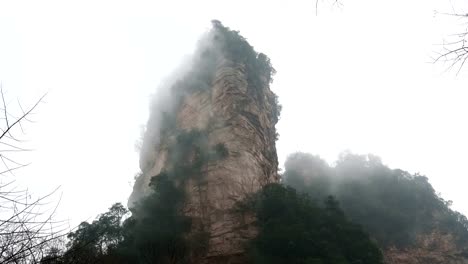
column 396, row 208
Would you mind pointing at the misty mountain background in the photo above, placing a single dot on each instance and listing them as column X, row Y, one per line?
column 352, row 78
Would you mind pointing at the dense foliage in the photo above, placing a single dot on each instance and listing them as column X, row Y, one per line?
column 294, row 229
column 155, row 233
column 96, row 240
column 391, row 204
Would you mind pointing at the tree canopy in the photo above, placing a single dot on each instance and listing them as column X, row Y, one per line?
column 393, row 205
column 294, row 229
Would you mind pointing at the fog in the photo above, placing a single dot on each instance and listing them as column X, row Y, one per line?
column 195, row 72
column 357, row 77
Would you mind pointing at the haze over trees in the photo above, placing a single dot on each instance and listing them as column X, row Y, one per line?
column 394, row 206
column 293, row 228
column 319, row 214
column 307, row 225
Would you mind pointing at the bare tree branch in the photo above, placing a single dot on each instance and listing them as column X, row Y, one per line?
column 27, row 228
column 454, row 52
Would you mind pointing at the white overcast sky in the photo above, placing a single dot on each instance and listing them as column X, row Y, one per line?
column 357, row 77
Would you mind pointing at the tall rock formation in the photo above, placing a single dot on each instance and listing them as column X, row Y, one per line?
column 222, row 100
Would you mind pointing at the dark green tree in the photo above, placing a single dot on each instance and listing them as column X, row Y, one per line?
column 294, row 229
column 94, row 242
column 157, row 230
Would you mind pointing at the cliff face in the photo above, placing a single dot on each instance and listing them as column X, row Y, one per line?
column 232, row 112
column 434, row 248
column 233, row 118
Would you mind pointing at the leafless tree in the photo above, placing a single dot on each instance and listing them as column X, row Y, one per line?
column 27, row 228
column 455, row 50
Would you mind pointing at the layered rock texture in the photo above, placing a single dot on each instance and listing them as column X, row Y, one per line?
column 236, row 112
column 434, row 248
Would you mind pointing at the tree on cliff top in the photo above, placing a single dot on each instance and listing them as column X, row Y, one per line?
column 258, row 67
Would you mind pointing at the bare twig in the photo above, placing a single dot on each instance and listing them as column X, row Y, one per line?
column 455, row 52
column 27, row 228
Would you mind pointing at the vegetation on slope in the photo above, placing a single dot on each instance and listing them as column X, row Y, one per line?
column 394, row 206
column 292, row 229
column 295, row 230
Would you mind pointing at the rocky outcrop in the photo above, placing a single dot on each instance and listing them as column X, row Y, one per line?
column 230, row 117
column 434, row 248
column 240, row 116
